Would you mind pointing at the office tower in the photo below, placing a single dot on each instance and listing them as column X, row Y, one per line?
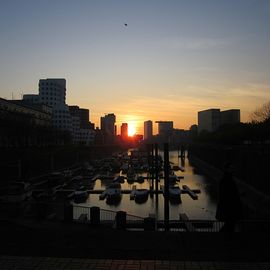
column 83, row 115
column 148, row 129
column 211, row 119
column 108, row 129
column 165, row 128
column 230, row 116
column 82, row 129
column 108, row 124
column 124, row 130
column 208, row 120
column 52, row 92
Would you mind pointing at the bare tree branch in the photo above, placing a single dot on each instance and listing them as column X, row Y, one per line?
column 261, row 114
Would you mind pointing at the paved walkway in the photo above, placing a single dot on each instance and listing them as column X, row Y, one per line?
column 47, row 246
column 48, row 263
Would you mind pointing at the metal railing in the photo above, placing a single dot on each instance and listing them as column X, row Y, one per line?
column 191, row 225
column 137, row 223
column 79, row 213
column 106, row 216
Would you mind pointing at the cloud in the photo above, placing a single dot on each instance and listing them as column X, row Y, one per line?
column 183, row 104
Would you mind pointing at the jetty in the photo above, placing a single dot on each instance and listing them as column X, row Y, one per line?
column 132, row 193
column 189, row 191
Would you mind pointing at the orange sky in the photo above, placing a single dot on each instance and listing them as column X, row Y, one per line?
column 173, row 59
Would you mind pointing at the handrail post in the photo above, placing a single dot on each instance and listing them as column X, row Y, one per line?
column 95, row 216
column 166, row 187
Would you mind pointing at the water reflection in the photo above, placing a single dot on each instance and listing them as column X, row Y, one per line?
column 203, row 208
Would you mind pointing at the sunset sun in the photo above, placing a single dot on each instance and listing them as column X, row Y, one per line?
column 131, row 129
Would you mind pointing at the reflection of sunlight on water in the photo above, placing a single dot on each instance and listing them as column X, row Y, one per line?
column 203, row 208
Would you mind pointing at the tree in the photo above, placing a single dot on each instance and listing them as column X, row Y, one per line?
column 261, row 114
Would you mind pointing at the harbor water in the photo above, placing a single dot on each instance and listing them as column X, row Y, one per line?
column 202, row 208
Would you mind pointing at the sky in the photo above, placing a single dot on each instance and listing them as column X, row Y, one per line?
column 173, row 59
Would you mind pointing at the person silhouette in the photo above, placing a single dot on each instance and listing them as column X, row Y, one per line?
column 229, row 207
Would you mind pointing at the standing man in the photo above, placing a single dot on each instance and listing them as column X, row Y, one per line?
column 229, row 207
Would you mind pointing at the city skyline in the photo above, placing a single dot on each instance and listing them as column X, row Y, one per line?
column 171, row 59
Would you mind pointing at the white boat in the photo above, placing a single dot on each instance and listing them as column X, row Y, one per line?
column 67, row 173
column 119, row 179
column 116, row 185
column 77, row 178
column 175, row 194
column 141, row 195
column 131, row 177
column 15, row 192
column 174, row 191
column 80, row 196
column 173, row 178
column 113, row 193
column 176, row 168
column 140, row 179
column 124, row 168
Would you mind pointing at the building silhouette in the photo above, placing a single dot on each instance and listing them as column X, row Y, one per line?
column 83, row 115
column 52, row 92
column 148, row 130
column 108, row 129
column 165, row 128
column 24, row 124
column 124, row 130
column 208, row 120
column 211, row 119
column 230, row 116
column 70, row 119
column 82, row 129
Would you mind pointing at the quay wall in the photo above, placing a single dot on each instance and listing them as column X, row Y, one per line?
column 250, row 173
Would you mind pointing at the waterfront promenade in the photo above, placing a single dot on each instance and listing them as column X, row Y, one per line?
column 46, row 246
column 47, row 263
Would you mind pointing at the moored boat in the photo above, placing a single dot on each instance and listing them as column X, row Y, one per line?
column 141, row 195
column 113, row 193
column 119, row 179
column 113, row 196
column 15, row 192
column 80, row 196
column 175, row 194
column 140, row 179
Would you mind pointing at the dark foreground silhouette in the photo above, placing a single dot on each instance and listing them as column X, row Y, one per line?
column 83, row 241
column 229, row 207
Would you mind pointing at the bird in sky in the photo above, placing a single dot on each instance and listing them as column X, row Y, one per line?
column 125, row 24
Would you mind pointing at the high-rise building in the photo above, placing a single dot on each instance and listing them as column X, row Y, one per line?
column 211, row 119
column 83, row 114
column 108, row 128
column 124, row 130
column 208, row 120
column 73, row 119
column 165, row 128
column 31, row 98
column 230, row 116
column 148, row 129
column 53, row 93
column 82, row 130
column 107, row 123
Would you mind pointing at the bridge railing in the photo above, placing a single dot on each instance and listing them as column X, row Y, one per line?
column 123, row 220
column 133, row 222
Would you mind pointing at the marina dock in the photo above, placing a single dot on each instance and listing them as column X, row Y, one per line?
column 132, row 193
column 191, row 193
column 185, row 190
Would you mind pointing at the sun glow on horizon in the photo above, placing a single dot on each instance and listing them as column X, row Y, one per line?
column 132, row 129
